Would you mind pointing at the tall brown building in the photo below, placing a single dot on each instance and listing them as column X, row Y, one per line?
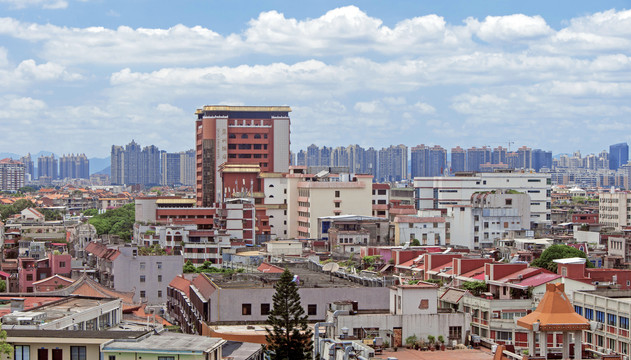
column 238, row 135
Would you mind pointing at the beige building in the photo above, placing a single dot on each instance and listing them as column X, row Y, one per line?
column 311, row 196
column 614, row 209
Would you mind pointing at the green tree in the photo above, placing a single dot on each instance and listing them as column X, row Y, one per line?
column 189, row 267
column 415, row 242
column 288, row 336
column 546, row 260
column 118, row 221
column 51, row 215
column 5, row 347
column 474, row 287
column 91, row 212
column 3, row 286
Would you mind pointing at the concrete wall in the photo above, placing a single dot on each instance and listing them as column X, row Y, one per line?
column 420, row 325
column 127, row 271
column 226, row 304
column 92, row 350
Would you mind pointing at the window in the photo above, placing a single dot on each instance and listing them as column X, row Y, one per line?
column 455, row 332
column 337, row 204
column 77, row 353
column 265, row 309
column 578, row 309
column 624, row 322
column 29, row 277
column 611, row 319
column 244, row 136
column 142, row 278
column 143, row 294
column 21, row 352
column 159, row 278
column 589, row 314
column 159, row 263
column 312, row 309
column 112, row 357
column 142, row 265
column 337, row 193
column 246, row 309
column 600, row 316
column 159, row 293
column 166, row 357
column 509, row 201
column 62, row 264
column 424, row 304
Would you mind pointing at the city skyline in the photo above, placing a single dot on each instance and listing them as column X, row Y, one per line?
column 77, row 74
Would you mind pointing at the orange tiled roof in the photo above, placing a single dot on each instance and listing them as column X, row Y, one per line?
column 555, row 312
column 182, row 284
column 269, row 268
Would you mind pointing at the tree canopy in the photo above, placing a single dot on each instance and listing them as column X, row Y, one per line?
column 546, row 260
column 15, row 208
column 474, row 287
column 119, row 221
column 288, row 336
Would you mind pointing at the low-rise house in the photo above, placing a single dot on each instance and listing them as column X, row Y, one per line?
column 180, row 346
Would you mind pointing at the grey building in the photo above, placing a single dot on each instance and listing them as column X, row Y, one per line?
column 125, row 268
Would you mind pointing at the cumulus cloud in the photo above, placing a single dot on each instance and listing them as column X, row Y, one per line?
column 509, row 28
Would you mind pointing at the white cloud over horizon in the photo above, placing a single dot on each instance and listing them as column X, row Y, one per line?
column 421, row 80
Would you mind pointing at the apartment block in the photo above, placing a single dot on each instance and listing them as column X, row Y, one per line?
column 312, row 196
column 614, row 209
column 12, row 174
column 444, row 192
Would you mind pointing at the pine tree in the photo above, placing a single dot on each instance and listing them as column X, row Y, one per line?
column 289, row 337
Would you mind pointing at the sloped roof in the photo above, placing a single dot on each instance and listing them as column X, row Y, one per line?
column 269, row 268
column 64, row 280
column 182, row 284
column 102, row 251
column 87, row 287
column 453, row 295
column 538, row 279
column 554, row 313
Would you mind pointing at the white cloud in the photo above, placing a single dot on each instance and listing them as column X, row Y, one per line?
column 45, row 4
column 424, row 108
column 509, row 28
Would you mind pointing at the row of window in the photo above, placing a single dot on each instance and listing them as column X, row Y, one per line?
column 23, row 352
column 246, row 136
column 143, row 294
column 612, row 320
column 246, row 309
column 143, row 278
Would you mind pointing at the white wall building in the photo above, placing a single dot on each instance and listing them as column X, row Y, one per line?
column 614, row 209
column 310, row 197
column 442, row 192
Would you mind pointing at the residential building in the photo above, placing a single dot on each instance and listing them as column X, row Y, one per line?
column 238, row 135
column 427, row 230
column 29, row 168
column 218, row 300
column 47, row 167
column 74, row 167
column 380, row 200
column 428, row 161
column 618, row 155
column 125, row 268
column 614, row 209
column 187, row 167
column 131, row 165
column 312, row 196
column 413, row 310
column 610, row 311
column 31, row 270
column 11, row 175
column 169, row 168
column 489, row 217
column 444, row 192
column 477, row 156
column 458, row 159
column 393, row 163
column 348, row 233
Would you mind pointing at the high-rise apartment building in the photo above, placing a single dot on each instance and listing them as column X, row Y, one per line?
column 618, row 155
column 187, row 167
column 477, row 156
column 393, row 163
column 74, row 167
column 47, row 167
column 29, row 167
column 238, row 135
column 543, row 159
column 428, row 161
column 11, row 175
column 458, row 159
column 169, row 168
column 525, row 157
column 131, row 165
column 498, row 156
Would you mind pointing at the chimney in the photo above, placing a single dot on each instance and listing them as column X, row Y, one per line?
column 17, row 304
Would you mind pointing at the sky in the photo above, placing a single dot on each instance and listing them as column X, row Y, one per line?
column 77, row 76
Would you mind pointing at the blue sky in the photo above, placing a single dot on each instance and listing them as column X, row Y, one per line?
column 81, row 75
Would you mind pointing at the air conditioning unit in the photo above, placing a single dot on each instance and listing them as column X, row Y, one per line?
column 599, row 326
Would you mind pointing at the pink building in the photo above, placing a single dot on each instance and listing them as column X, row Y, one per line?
column 31, row 270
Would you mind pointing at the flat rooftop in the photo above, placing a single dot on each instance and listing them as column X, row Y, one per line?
column 167, row 341
column 308, row 279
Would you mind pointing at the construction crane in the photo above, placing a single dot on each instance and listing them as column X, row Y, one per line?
column 509, row 144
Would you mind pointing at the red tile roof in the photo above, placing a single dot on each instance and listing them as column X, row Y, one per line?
column 416, row 219
column 182, row 284
column 269, row 268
